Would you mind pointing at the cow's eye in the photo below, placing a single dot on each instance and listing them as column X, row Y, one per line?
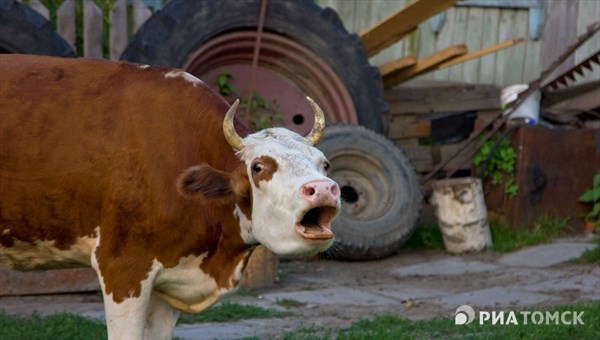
column 326, row 166
column 257, row 167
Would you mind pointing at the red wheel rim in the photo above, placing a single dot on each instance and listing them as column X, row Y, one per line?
column 287, row 72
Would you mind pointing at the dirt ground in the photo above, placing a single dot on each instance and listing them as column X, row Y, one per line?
column 417, row 285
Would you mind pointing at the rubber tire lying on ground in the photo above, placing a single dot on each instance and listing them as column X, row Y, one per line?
column 381, row 196
column 23, row 30
column 172, row 35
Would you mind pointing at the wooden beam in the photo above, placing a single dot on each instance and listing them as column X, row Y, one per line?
column 480, row 53
column 424, row 65
column 396, row 26
column 392, row 67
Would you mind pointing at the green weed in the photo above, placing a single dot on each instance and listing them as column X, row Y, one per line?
column 229, row 311
column 62, row 326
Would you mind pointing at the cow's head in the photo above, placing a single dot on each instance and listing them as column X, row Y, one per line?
column 293, row 200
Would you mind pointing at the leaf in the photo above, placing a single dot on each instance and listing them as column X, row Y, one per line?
column 590, row 195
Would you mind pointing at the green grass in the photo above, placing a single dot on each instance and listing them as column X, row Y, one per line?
column 395, row 327
column 591, row 255
column 544, row 230
column 69, row 326
column 229, row 311
column 62, row 326
column 426, row 236
column 289, row 303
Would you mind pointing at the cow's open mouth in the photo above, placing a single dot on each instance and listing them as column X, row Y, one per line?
column 315, row 223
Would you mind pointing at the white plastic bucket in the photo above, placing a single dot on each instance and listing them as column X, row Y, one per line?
column 529, row 111
column 461, row 213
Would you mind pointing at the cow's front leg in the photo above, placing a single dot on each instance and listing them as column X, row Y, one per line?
column 126, row 316
column 161, row 318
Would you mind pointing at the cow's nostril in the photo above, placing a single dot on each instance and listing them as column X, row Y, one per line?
column 309, row 191
column 334, row 190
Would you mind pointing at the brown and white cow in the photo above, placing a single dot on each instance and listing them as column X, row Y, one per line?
column 131, row 170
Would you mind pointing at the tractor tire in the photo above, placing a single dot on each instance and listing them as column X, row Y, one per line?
column 172, row 35
column 381, row 195
column 23, row 30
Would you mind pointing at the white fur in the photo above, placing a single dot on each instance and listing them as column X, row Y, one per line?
column 45, row 254
column 245, row 226
column 188, row 77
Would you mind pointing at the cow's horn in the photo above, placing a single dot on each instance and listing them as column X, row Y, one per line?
column 314, row 136
column 231, row 135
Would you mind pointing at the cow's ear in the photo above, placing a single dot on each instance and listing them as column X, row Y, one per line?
column 207, row 182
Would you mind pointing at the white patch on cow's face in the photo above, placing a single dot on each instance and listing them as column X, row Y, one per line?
column 188, row 77
column 143, row 67
column 277, row 203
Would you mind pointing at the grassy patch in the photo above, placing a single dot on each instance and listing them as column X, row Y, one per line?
column 544, row 230
column 289, row 303
column 591, row 255
column 396, row 327
column 228, row 311
column 246, row 292
column 58, row 326
column 426, row 236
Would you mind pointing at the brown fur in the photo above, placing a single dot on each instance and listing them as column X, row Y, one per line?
column 87, row 143
column 269, row 168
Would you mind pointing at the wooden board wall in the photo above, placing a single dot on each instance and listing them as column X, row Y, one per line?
column 413, row 108
column 478, row 28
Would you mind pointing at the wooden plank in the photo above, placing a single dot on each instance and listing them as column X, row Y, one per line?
column 13, row 282
column 92, row 30
column 420, row 156
column 65, row 22
column 408, row 127
column 480, row 53
column 588, row 13
column 118, row 29
column 391, row 67
column 516, row 54
column 531, row 66
column 475, row 23
column 459, row 36
column 425, row 44
column 560, row 31
column 399, row 24
column 141, row 13
column 461, row 162
column 445, row 39
column 424, row 158
column 431, row 99
column 505, row 30
column 424, row 65
column 39, row 7
column 487, row 65
column 381, row 9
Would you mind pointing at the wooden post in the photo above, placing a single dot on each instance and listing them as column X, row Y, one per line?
column 462, row 214
column 92, row 30
column 118, row 29
column 261, row 270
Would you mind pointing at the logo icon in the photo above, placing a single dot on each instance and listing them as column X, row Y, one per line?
column 464, row 315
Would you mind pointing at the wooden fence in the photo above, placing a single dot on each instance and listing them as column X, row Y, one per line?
column 98, row 31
